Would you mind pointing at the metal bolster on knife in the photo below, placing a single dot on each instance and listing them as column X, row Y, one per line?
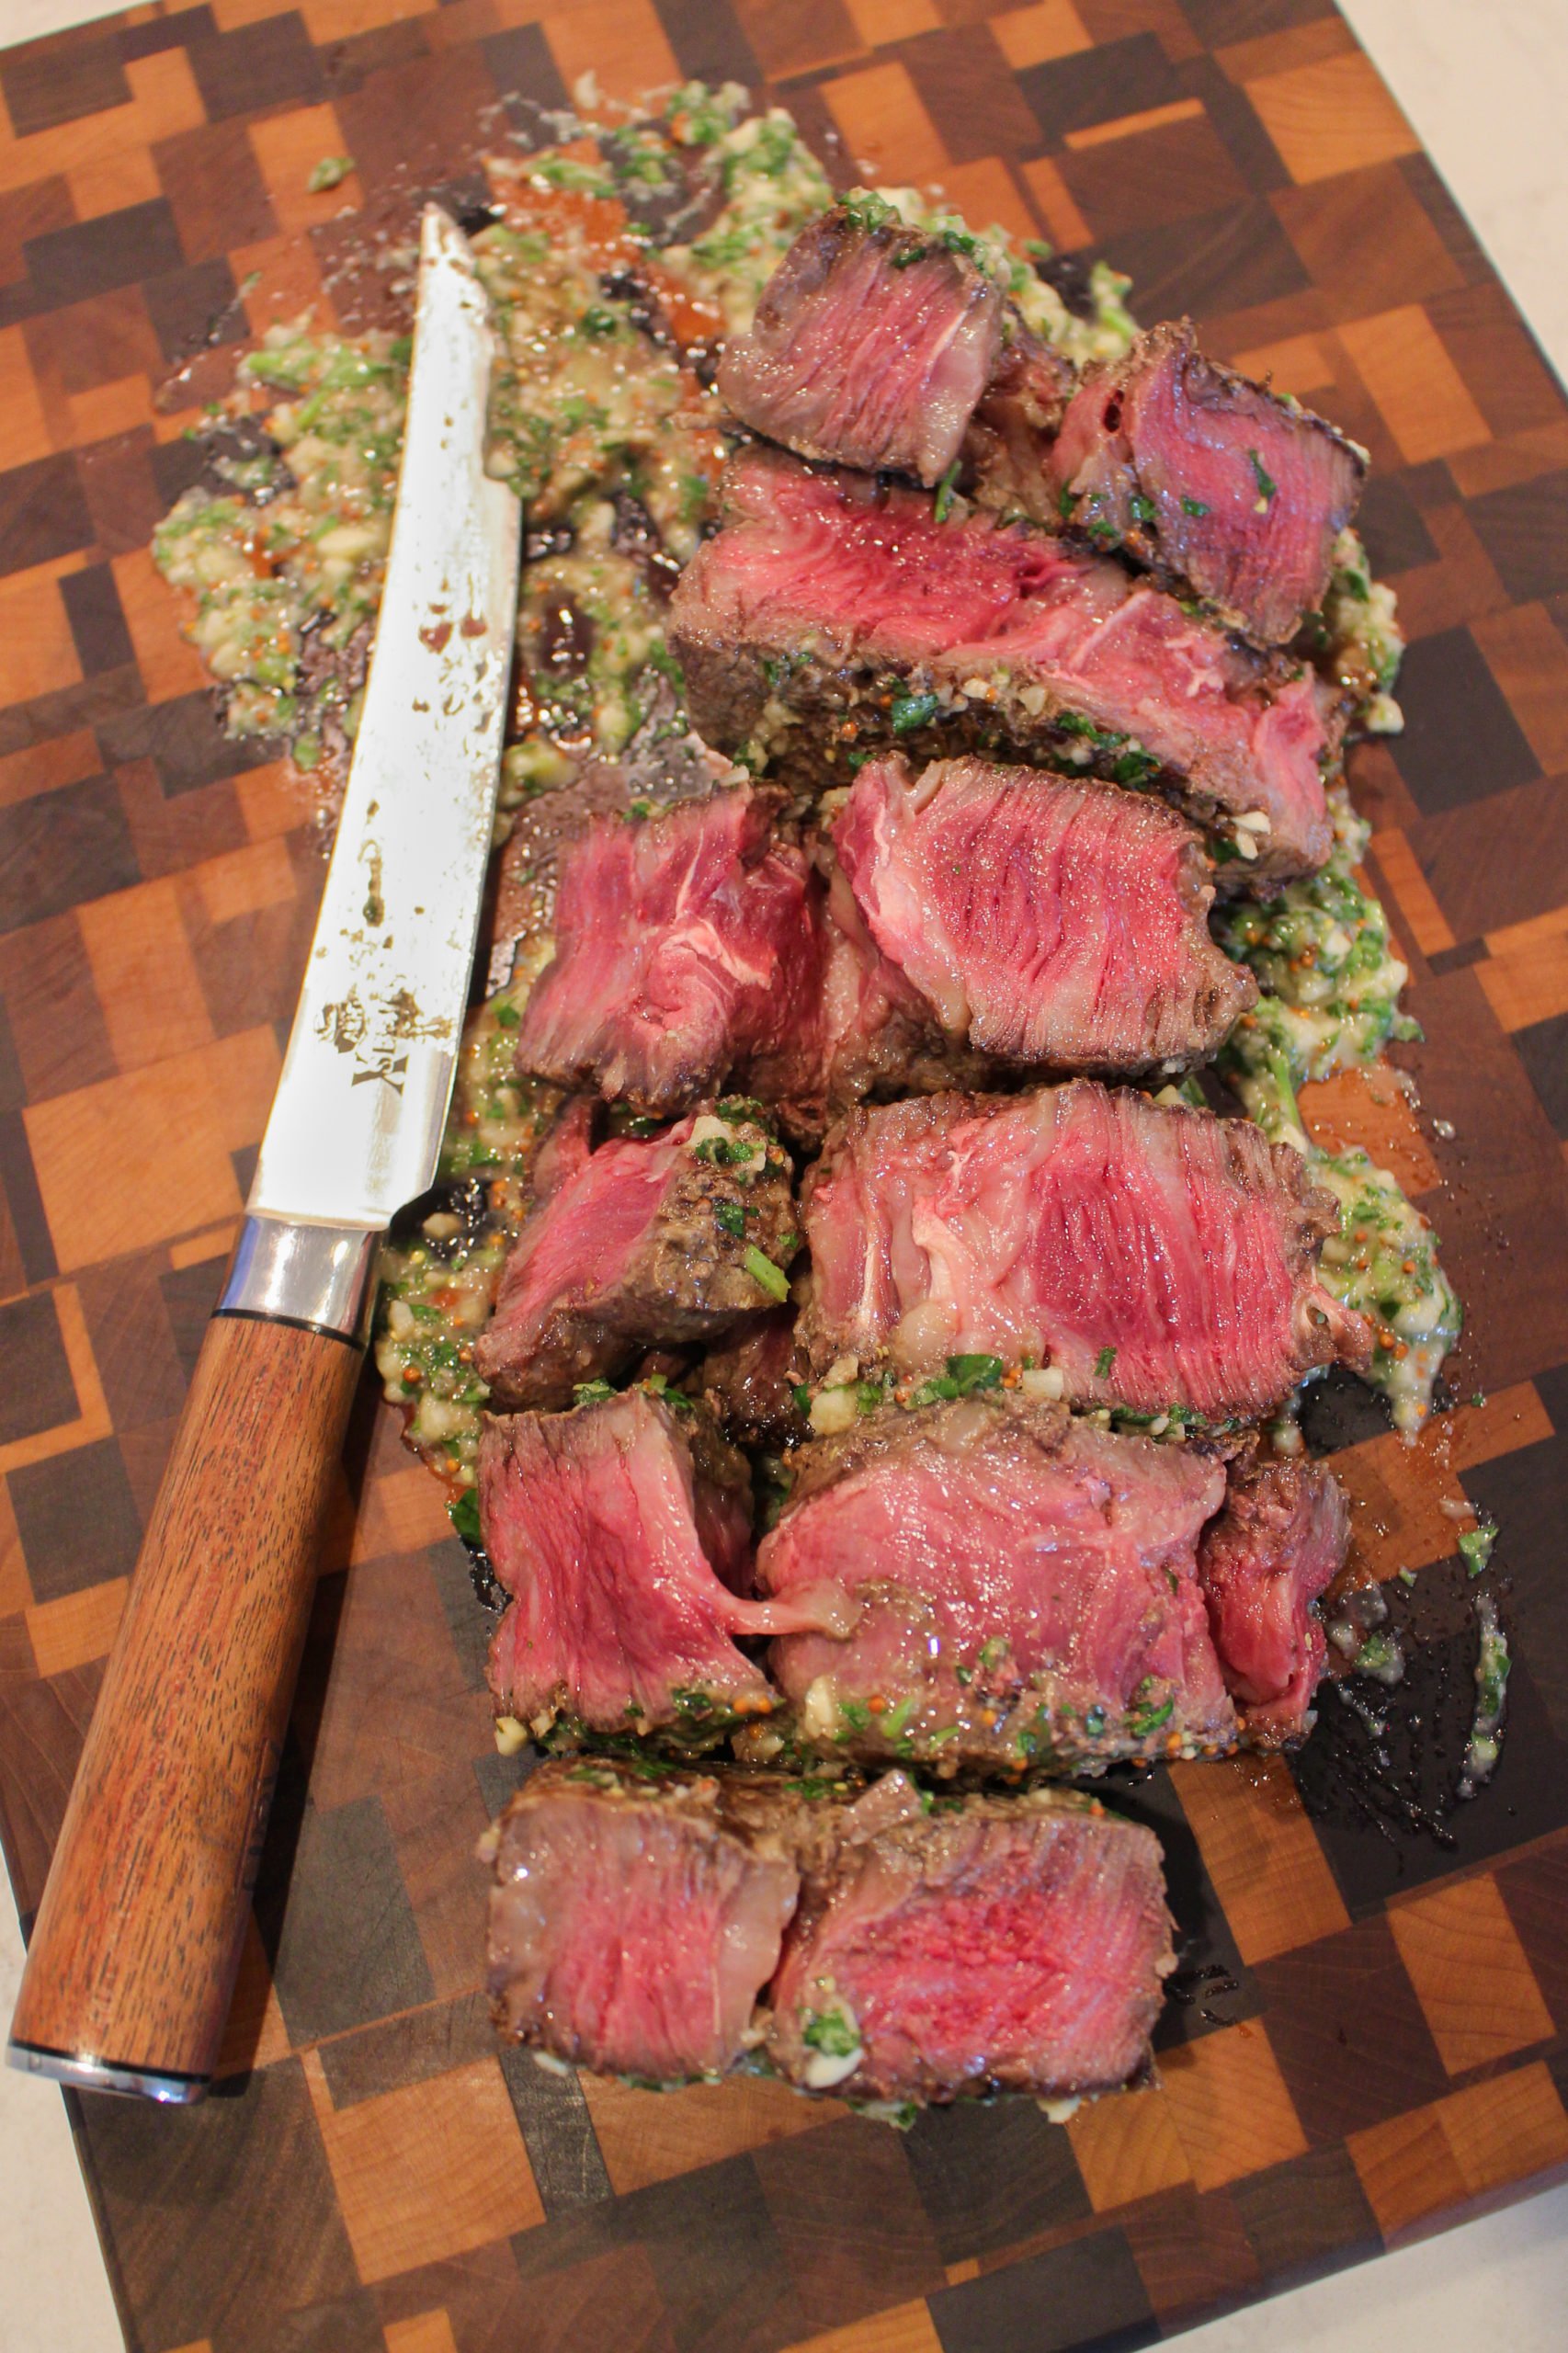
column 323, row 1277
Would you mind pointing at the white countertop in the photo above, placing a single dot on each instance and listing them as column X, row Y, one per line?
column 1486, row 84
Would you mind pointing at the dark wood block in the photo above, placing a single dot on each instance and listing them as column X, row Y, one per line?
column 1087, row 2292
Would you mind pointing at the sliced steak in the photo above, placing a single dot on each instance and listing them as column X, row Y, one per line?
column 622, row 1532
column 1044, row 920
column 992, row 1945
column 832, row 612
column 634, row 1919
column 685, row 944
column 871, row 345
column 1157, row 1257
column 1227, row 490
column 749, row 1382
column 1026, row 1585
column 1265, row 1563
column 643, row 1241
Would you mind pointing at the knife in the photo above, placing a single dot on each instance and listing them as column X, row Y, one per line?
column 132, row 1962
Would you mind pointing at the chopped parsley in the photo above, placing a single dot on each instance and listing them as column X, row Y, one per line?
column 463, row 1513
column 1267, row 488
column 1134, row 767
column 1475, row 1547
column 1195, row 506
column 722, row 1152
column 909, row 712
column 963, row 1376
column 1145, row 1716
column 832, row 2033
column 1103, row 1363
column 761, row 1270
column 945, row 490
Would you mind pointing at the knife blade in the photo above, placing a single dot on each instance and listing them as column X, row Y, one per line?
column 133, row 1954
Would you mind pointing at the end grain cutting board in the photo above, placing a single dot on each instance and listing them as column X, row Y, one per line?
column 1371, row 2033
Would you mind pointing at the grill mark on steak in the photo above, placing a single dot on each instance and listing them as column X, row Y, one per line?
column 829, row 613
column 1045, row 920
column 1159, row 1257
column 1026, row 1585
column 629, row 1251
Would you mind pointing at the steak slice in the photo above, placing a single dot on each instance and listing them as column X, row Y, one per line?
column 622, row 1532
column 685, row 943
column 831, row 612
column 1265, row 1563
column 1227, row 490
column 642, row 1242
column 634, row 1920
column 1044, row 919
column 872, row 346
column 1158, row 1257
column 1026, row 1587
column 996, row 1944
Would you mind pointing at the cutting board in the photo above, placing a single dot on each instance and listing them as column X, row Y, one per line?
column 1370, row 2034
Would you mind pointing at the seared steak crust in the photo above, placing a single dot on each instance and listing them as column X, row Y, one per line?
column 749, row 1380
column 1017, row 420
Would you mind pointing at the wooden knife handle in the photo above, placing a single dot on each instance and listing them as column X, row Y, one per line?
column 132, row 1962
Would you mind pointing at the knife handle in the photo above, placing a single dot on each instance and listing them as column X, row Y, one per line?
column 132, row 1962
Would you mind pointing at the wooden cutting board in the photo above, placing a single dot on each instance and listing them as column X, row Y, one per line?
column 1369, row 2040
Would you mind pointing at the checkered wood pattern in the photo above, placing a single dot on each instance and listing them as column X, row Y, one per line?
column 1375, row 2036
